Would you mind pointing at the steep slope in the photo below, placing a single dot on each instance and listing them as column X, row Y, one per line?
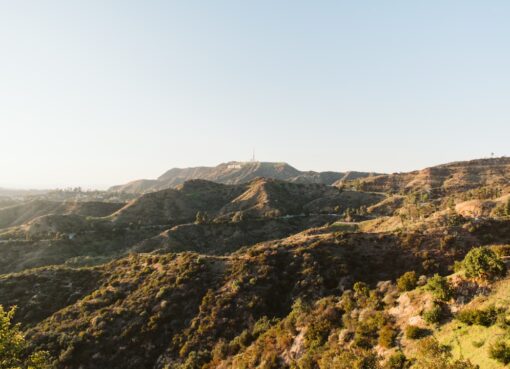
column 152, row 310
column 259, row 198
column 221, row 238
column 174, row 206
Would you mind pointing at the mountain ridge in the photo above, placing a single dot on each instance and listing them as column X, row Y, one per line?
column 235, row 172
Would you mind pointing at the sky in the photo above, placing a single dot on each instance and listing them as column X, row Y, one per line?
column 99, row 92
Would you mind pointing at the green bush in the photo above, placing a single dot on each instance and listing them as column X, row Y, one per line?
column 500, row 351
column 431, row 354
column 317, row 333
column 361, row 289
column 407, row 281
column 413, row 332
column 13, row 346
column 387, row 336
column 439, row 287
column 397, row 361
column 485, row 317
column 434, row 314
column 483, row 263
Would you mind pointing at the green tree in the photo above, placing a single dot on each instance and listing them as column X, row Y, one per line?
column 361, row 289
column 13, row 346
column 387, row 336
column 439, row 287
column 397, row 361
column 407, row 281
column 483, row 263
column 500, row 351
column 432, row 355
column 434, row 314
column 201, row 217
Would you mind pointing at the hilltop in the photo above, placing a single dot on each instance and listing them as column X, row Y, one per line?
column 235, row 173
column 443, row 179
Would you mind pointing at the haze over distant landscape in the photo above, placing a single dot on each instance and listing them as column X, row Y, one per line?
column 227, row 184
column 97, row 93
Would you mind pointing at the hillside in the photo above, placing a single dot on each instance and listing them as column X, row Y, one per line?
column 168, row 308
column 191, row 298
column 84, row 233
column 443, row 179
column 258, row 198
column 235, row 173
column 267, row 273
column 26, row 211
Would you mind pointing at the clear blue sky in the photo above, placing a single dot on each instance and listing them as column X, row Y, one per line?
column 100, row 92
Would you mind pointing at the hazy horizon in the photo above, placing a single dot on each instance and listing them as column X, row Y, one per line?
column 106, row 186
column 96, row 93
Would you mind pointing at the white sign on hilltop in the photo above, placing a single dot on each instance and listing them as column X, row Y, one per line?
column 235, row 166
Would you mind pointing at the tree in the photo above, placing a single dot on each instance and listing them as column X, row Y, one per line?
column 439, row 287
column 397, row 361
column 432, row 355
column 201, row 217
column 387, row 336
column 361, row 289
column 13, row 346
column 483, row 263
column 407, row 281
column 500, row 351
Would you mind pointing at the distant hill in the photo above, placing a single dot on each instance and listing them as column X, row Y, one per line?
column 9, row 192
column 236, row 173
column 21, row 213
column 442, row 179
column 261, row 197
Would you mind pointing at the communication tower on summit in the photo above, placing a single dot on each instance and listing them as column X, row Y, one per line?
column 253, row 156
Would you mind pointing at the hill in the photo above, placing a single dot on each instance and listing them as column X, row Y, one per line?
column 258, row 198
column 26, row 211
column 443, row 179
column 155, row 308
column 267, row 273
column 235, row 173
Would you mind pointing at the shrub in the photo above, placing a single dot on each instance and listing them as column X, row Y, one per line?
column 432, row 355
column 485, row 317
column 483, row 263
column 434, row 314
column 407, row 281
column 500, row 351
column 439, row 287
column 13, row 346
column 317, row 333
column 387, row 335
column 413, row 332
column 397, row 361
column 361, row 289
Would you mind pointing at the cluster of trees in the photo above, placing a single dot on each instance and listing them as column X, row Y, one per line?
column 14, row 347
